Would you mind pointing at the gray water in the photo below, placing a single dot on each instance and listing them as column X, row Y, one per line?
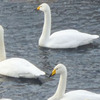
column 23, row 26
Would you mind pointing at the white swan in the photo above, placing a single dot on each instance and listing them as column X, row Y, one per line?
column 2, row 45
column 62, row 39
column 72, row 95
column 16, row 67
column 5, row 99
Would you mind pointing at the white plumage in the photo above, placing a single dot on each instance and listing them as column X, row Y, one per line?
column 69, row 38
column 16, row 67
column 5, row 99
column 72, row 95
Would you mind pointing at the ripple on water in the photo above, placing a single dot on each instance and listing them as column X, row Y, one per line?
column 23, row 27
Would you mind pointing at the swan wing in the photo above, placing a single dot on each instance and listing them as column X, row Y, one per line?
column 70, row 39
column 18, row 67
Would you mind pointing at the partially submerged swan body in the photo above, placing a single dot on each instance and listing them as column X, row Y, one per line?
column 72, row 95
column 69, row 38
column 16, row 67
column 5, row 99
column 19, row 68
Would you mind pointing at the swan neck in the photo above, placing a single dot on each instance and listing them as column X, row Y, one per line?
column 61, row 86
column 2, row 48
column 46, row 28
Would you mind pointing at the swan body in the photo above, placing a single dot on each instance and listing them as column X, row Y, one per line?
column 69, row 38
column 72, row 95
column 16, row 67
column 5, row 99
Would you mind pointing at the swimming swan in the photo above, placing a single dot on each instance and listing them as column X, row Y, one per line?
column 16, row 67
column 69, row 38
column 72, row 95
column 5, row 99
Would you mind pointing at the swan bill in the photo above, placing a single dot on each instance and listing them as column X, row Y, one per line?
column 38, row 8
column 53, row 73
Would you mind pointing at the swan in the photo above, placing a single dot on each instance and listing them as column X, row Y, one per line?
column 16, row 67
column 72, row 95
column 2, row 45
column 5, row 99
column 69, row 38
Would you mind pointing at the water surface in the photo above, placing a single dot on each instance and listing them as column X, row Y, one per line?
column 23, row 26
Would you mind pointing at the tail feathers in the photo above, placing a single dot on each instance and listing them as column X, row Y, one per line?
column 38, row 73
column 95, row 36
column 41, row 73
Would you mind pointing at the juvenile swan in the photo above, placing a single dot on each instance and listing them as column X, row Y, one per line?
column 72, row 95
column 69, row 38
column 16, row 67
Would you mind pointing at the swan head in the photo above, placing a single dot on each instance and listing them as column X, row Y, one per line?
column 43, row 7
column 59, row 69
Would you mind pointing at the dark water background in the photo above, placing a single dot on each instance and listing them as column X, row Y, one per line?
column 23, row 27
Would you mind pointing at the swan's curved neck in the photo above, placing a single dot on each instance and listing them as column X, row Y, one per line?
column 46, row 28
column 61, row 86
column 2, row 47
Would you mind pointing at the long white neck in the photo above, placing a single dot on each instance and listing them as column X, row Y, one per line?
column 61, row 86
column 46, row 28
column 2, row 47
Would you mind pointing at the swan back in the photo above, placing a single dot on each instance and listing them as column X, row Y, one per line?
column 18, row 67
column 81, row 95
column 5, row 99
